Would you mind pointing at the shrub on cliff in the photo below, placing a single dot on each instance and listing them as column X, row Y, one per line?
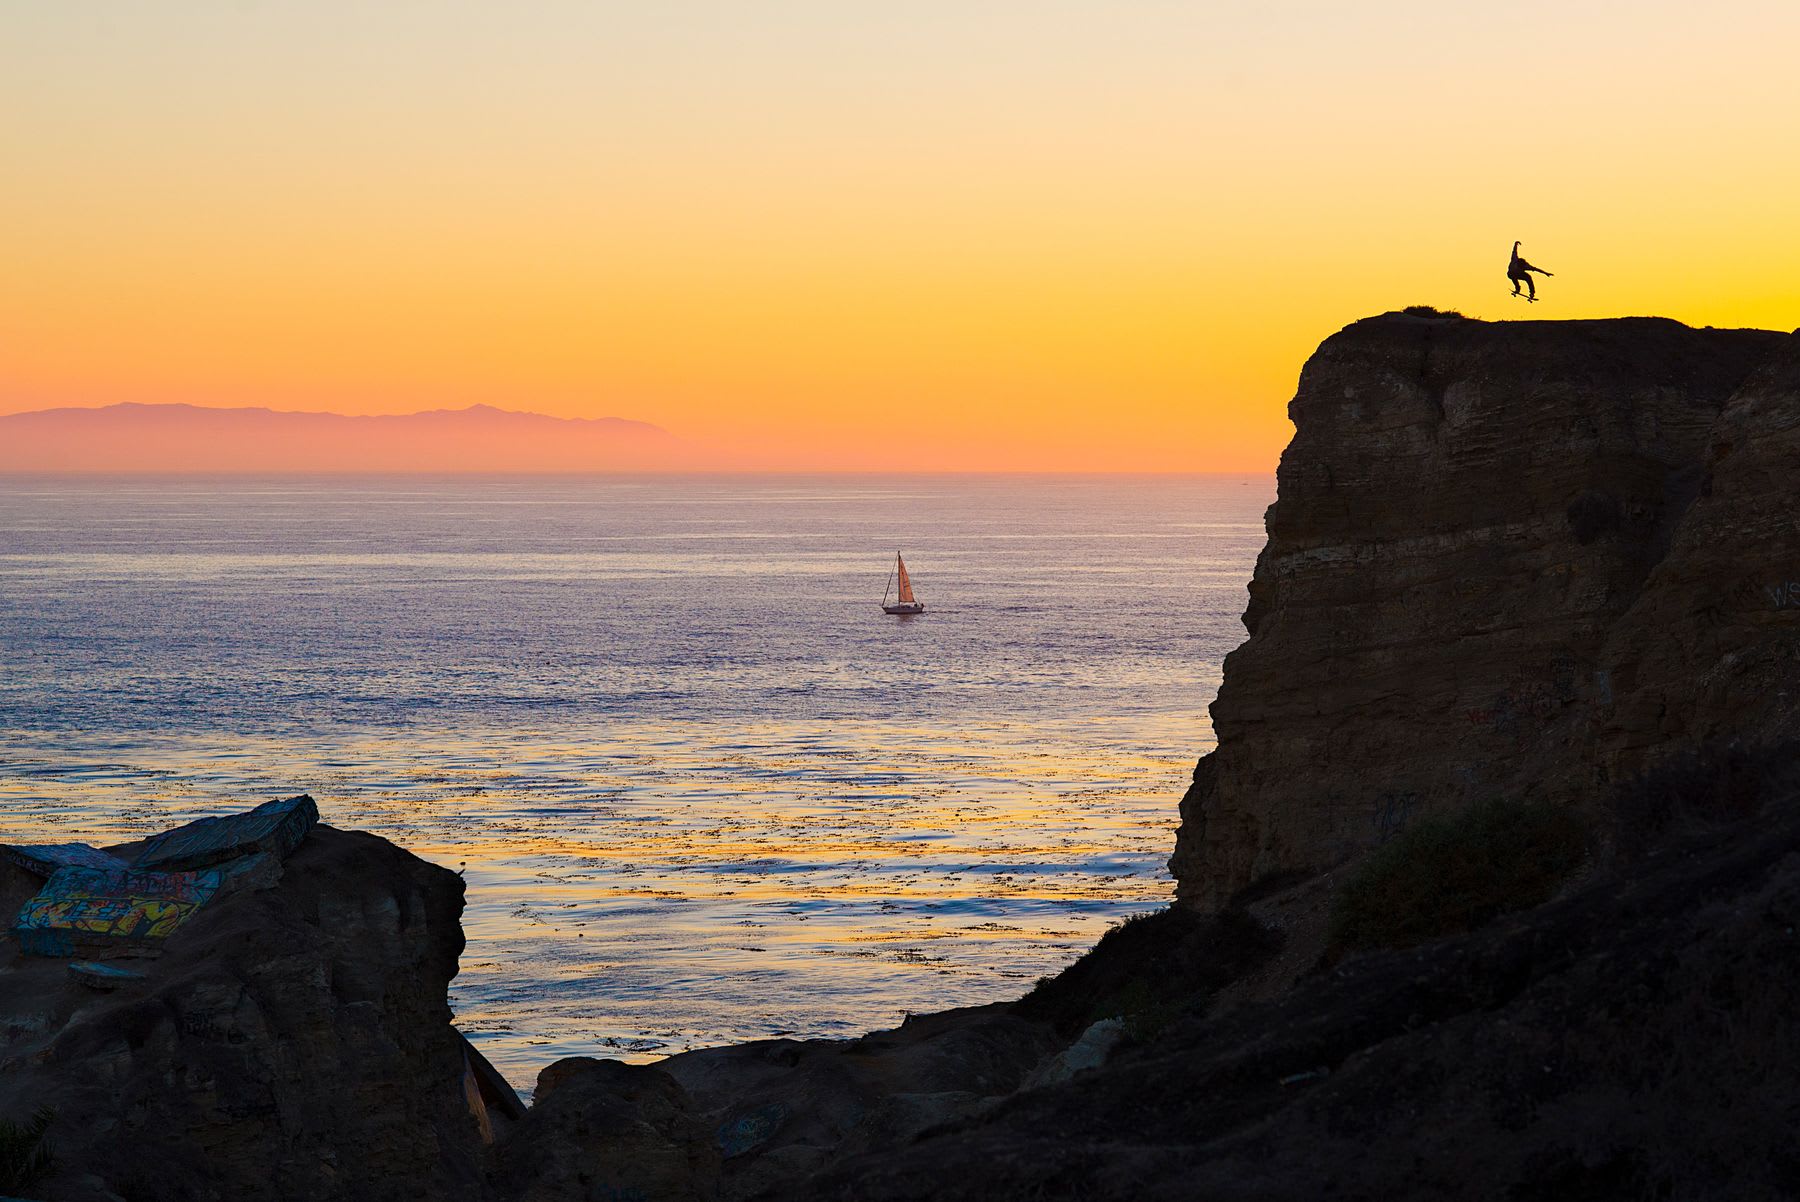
column 1449, row 874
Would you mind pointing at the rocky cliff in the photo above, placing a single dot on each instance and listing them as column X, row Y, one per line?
column 1710, row 649
column 1506, row 560
column 291, row 1041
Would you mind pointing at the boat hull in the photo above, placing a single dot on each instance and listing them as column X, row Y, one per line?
column 912, row 607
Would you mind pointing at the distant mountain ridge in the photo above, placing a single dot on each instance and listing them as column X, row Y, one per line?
column 191, row 438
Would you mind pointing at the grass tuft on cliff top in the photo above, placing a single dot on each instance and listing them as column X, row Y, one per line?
column 1448, row 874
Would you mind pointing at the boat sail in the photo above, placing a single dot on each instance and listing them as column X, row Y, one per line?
column 905, row 603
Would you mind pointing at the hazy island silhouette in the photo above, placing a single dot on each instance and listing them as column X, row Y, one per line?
column 192, row 438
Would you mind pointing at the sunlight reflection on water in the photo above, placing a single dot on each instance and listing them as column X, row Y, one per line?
column 650, row 888
column 645, row 717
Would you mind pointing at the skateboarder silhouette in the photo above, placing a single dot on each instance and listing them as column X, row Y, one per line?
column 1519, row 272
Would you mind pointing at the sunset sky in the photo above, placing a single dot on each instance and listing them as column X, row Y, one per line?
column 967, row 234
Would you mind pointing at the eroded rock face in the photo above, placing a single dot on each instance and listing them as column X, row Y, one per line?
column 1468, row 514
column 1711, row 649
column 290, row 1042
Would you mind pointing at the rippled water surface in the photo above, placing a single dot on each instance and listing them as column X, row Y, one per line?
column 702, row 789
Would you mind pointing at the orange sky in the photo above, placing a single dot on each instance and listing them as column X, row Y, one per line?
column 1007, row 235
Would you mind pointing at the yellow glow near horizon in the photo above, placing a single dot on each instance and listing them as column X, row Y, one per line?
column 1005, row 236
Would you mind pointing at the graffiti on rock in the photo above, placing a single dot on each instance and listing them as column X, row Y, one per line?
column 747, row 1132
column 1392, row 810
column 1527, row 703
column 82, row 909
column 92, row 902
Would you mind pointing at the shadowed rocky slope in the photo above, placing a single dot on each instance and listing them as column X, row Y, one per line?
column 1635, row 1040
column 1503, row 558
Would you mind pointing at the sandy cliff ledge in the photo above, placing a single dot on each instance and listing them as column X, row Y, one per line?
column 1506, row 559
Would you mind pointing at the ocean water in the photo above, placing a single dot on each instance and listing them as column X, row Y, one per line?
column 702, row 789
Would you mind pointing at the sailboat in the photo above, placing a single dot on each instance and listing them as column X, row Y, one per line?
column 905, row 603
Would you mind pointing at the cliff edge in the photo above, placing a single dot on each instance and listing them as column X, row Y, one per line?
column 1516, row 560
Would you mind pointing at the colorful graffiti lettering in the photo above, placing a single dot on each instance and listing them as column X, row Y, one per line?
column 90, row 905
column 127, row 918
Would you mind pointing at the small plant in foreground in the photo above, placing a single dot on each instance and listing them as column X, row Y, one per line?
column 25, row 1155
column 1449, row 874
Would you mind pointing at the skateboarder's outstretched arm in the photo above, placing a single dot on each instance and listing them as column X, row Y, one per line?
column 1524, row 266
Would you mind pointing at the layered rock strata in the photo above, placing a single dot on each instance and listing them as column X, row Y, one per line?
column 1710, row 651
column 1507, row 559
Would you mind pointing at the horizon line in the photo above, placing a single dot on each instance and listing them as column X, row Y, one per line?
column 472, row 407
column 506, row 474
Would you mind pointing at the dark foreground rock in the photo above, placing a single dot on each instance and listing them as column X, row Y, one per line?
column 290, row 1042
column 1636, row 1040
column 727, row 1123
column 599, row 1129
column 778, row 1110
